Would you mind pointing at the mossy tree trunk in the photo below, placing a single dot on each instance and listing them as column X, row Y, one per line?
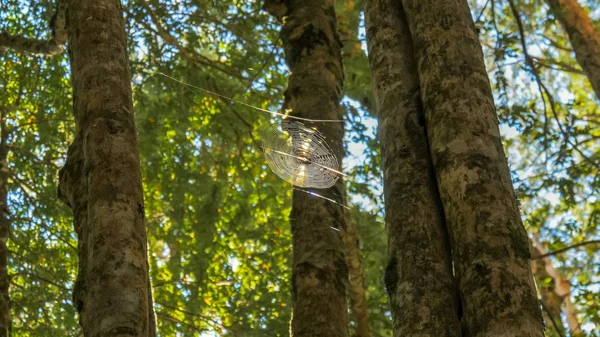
column 101, row 180
column 418, row 277
column 490, row 244
column 584, row 38
column 319, row 270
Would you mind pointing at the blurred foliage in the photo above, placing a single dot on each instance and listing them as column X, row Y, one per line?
column 219, row 237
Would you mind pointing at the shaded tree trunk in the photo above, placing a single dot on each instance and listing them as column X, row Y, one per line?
column 101, row 180
column 353, row 55
column 551, row 302
column 585, row 40
column 358, row 297
column 319, row 270
column 4, row 229
column 490, row 244
column 418, row 277
column 561, row 290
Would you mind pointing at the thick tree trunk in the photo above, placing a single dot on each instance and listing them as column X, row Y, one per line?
column 490, row 244
column 320, row 273
column 585, row 40
column 4, row 230
column 418, row 278
column 101, row 180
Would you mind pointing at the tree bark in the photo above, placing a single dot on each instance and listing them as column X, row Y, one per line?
column 4, row 229
column 418, row 277
column 358, row 297
column 551, row 302
column 561, row 289
column 352, row 53
column 490, row 244
column 101, row 180
column 319, row 270
column 585, row 40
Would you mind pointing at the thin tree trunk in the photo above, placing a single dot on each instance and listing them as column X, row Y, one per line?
column 418, row 277
column 562, row 289
column 348, row 22
column 585, row 40
column 4, row 230
column 358, row 297
column 101, row 180
column 356, row 67
column 490, row 244
column 319, row 270
column 551, row 302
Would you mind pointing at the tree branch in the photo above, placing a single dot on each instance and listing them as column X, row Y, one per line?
column 542, row 88
column 586, row 243
column 50, row 47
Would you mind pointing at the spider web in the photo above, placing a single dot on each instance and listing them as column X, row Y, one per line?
column 299, row 155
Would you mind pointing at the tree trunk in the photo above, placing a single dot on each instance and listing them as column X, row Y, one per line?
column 490, row 244
column 358, row 297
column 319, row 271
column 4, row 229
column 101, row 180
column 418, row 277
column 561, row 289
column 585, row 40
column 551, row 302
column 348, row 22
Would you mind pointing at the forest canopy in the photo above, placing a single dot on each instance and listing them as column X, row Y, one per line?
column 217, row 218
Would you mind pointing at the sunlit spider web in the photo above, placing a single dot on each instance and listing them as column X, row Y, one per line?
column 299, row 155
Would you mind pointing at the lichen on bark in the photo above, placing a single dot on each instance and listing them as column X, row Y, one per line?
column 418, row 277
column 490, row 244
column 319, row 270
column 101, row 180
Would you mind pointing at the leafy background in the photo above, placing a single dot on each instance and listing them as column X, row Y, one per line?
column 219, row 238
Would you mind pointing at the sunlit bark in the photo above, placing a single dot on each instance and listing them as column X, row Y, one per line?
column 585, row 39
column 489, row 242
column 320, row 273
column 418, row 277
column 101, row 180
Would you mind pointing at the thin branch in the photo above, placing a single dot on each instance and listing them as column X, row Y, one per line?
column 482, row 11
column 585, row 243
column 192, row 57
column 543, row 89
column 555, row 65
column 552, row 319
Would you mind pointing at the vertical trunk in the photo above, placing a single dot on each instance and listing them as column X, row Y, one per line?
column 4, row 230
column 356, row 67
column 490, row 244
column 319, row 270
column 101, row 180
column 358, row 298
column 418, row 277
column 348, row 22
column 551, row 302
column 561, row 289
column 585, row 40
